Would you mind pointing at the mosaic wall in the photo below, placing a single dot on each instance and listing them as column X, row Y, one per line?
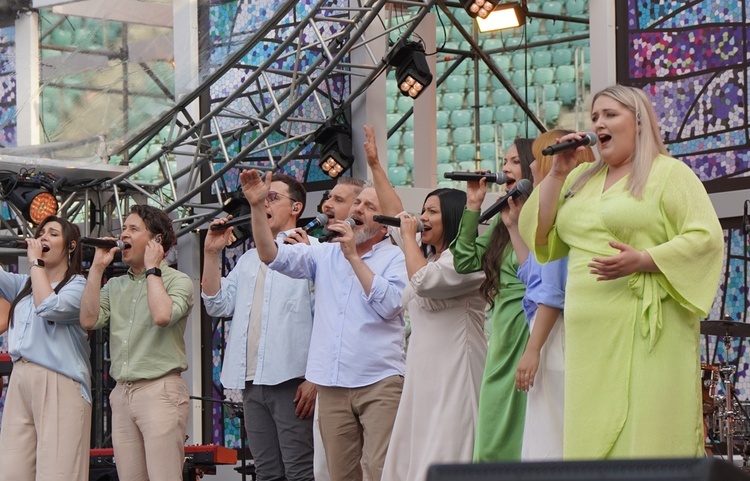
column 7, row 87
column 690, row 58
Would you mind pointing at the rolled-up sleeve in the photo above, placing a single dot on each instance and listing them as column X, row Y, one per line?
column 387, row 288
column 64, row 306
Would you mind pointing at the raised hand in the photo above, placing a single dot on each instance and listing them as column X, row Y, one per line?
column 255, row 187
column 371, row 148
column 475, row 193
column 217, row 240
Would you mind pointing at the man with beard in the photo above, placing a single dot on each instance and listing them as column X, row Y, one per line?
column 356, row 353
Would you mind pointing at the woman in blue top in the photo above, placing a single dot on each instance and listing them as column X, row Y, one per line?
column 46, row 425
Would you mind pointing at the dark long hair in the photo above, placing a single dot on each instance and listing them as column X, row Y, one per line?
column 500, row 238
column 452, row 202
column 71, row 236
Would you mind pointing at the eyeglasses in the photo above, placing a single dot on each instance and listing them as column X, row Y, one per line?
column 271, row 197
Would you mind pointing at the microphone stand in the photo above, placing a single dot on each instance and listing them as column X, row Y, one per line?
column 236, row 411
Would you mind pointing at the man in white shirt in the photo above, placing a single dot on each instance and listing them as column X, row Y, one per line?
column 266, row 353
column 356, row 353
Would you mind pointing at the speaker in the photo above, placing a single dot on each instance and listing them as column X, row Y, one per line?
column 706, row 469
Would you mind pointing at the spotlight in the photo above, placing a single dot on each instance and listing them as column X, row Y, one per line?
column 479, row 8
column 335, row 147
column 237, row 206
column 506, row 15
column 412, row 71
column 34, row 202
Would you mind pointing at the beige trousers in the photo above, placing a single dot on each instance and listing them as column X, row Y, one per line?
column 358, row 422
column 149, row 421
column 46, row 429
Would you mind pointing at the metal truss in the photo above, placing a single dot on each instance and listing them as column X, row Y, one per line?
column 271, row 118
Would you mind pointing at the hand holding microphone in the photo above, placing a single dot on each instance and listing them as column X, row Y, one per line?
column 12, row 242
column 328, row 235
column 523, row 187
column 394, row 221
column 496, row 177
column 589, row 138
column 103, row 243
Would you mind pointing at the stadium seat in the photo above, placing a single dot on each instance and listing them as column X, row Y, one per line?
column 505, row 113
column 467, row 166
column 562, row 56
column 398, row 175
column 408, row 139
column 486, row 115
column 551, row 111
column 444, row 155
column 488, row 151
column 547, row 91
column 521, row 61
column 462, row 135
column 543, row 76
column 442, row 136
column 565, row 73
column 566, row 93
column 408, row 157
column 404, row 103
column 500, row 96
column 490, row 44
column 542, row 58
column 486, row 133
column 519, row 78
column 391, row 120
column 512, row 43
column 442, row 119
column 455, row 83
column 552, row 7
column 575, row 7
column 464, row 152
column 393, row 155
column 391, row 87
column 394, row 141
column 390, row 104
column 461, row 118
column 508, row 131
column 452, row 101
column 502, row 61
column 442, row 168
column 554, row 26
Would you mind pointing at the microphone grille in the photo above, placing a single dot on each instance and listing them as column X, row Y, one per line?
column 350, row 221
column 525, row 186
column 593, row 139
column 322, row 219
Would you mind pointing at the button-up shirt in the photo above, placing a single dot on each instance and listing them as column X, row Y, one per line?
column 140, row 349
column 286, row 322
column 50, row 334
column 357, row 339
column 545, row 284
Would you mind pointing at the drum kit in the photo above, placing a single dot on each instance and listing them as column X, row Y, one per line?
column 726, row 418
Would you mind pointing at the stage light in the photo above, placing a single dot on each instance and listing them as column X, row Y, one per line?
column 480, row 8
column 506, row 15
column 237, row 206
column 412, row 72
column 34, row 202
column 335, row 147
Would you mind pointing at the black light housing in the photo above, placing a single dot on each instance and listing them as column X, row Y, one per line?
column 479, row 8
column 237, row 206
column 335, row 147
column 33, row 200
column 412, row 72
column 505, row 15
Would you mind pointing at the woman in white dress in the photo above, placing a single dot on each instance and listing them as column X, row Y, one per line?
column 447, row 349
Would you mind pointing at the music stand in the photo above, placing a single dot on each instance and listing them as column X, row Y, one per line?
column 236, row 411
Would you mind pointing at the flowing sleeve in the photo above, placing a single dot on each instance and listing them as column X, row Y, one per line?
column 690, row 261
column 528, row 222
column 468, row 248
column 439, row 280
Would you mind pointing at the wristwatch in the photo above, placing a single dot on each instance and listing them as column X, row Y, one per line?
column 154, row 270
column 36, row 263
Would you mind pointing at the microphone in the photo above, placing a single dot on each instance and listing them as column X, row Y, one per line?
column 329, row 234
column 496, row 177
column 523, row 187
column 320, row 220
column 237, row 220
column 394, row 221
column 107, row 244
column 17, row 243
column 588, row 139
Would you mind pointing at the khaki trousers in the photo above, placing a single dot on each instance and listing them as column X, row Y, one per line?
column 354, row 421
column 149, row 421
column 46, row 429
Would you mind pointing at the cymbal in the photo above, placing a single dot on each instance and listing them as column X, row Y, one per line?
column 725, row 328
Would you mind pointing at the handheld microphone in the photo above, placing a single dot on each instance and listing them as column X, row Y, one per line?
column 320, row 220
column 394, row 221
column 107, row 244
column 523, row 187
column 496, row 177
column 588, row 139
column 330, row 234
column 235, row 221
column 17, row 243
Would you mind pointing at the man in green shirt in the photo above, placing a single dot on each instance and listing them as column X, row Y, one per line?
column 146, row 311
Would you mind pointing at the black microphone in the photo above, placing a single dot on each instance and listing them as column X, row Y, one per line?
column 394, row 221
column 237, row 220
column 17, row 243
column 107, row 244
column 523, row 187
column 320, row 220
column 496, row 177
column 589, row 138
column 330, row 234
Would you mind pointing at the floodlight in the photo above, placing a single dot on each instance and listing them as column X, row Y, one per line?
column 506, row 15
column 335, row 147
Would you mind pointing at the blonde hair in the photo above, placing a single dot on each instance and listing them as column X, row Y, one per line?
column 648, row 143
column 544, row 140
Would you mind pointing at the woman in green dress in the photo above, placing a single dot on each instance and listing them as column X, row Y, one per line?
column 502, row 407
column 645, row 250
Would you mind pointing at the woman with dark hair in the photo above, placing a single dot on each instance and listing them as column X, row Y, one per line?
column 501, row 407
column 46, row 424
column 438, row 410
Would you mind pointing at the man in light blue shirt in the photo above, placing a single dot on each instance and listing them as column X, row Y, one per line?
column 266, row 353
column 356, row 354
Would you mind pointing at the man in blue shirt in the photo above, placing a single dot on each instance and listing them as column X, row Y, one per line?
column 356, row 353
column 266, row 352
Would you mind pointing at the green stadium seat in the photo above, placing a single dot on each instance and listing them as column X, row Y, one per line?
column 575, row 7
column 508, row 131
column 442, row 136
column 488, row 151
column 408, row 139
column 566, row 93
column 455, row 83
column 461, row 118
column 464, row 152
column 500, row 96
column 462, row 135
column 394, row 141
column 393, row 155
column 505, row 113
column 444, row 154
column 486, row 133
column 542, row 58
column 452, row 101
column 562, row 56
column 442, row 119
column 543, row 76
column 552, row 7
column 398, row 175
column 565, row 73
column 554, row 26
column 408, row 157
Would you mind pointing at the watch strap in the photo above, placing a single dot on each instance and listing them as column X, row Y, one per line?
column 154, row 270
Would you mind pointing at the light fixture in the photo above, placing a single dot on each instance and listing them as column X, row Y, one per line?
column 335, row 147
column 506, row 15
column 412, row 72
column 479, row 8
column 33, row 201
column 237, row 206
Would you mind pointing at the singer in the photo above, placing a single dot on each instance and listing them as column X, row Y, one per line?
column 48, row 402
column 501, row 406
column 358, row 328
column 645, row 252
column 446, row 312
column 146, row 311
column 266, row 352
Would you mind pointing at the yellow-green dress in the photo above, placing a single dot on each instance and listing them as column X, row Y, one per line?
column 632, row 359
column 502, row 409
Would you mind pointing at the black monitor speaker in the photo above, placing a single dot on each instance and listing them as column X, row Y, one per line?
column 707, row 469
